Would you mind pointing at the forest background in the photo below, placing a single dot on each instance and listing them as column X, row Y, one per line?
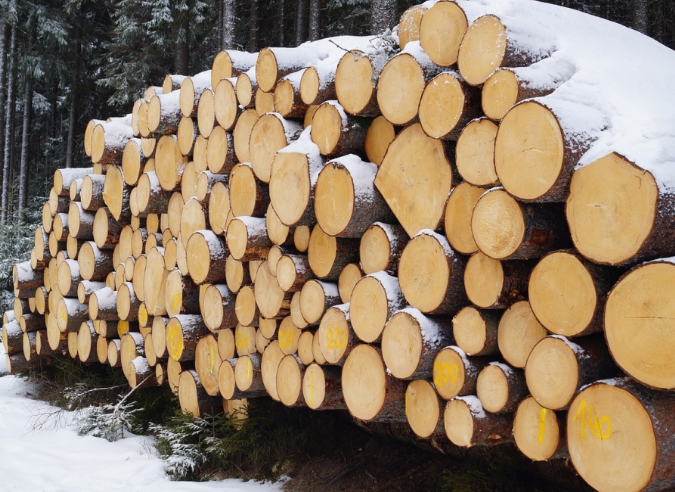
column 64, row 62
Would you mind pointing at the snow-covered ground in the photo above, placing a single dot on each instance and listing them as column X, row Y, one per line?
column 57, row 459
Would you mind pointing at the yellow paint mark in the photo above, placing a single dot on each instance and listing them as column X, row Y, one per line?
column 542, row 424
column 602, row 428
column 175, row 342
column 63, row 314
column 444, row 373
column 241, row 340
column 143, row 315
column 286, row 338
column 175, row 302
column 336, row 338
column 122, row 328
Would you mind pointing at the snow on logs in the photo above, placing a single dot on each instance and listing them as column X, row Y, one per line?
column 267, row 227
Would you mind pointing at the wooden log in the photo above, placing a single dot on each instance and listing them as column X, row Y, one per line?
column 159, row 336
column 505, row 229
column 346, row 201
column 191, row 89
column 138, row 240
column 430, row 275
column 568, row 293
column 87, row 339
column 218, row 308
column 206, row 112
column 289, row 381
column 220, row 152
column 41, row 242
column 206, row 256
column 454, row 374
column 91, row 194
column 475, row 331
column 272, row 301
column 42, row 347
column 637, row 323
column 192, row 219
column 247, row 238
column 108, row 141
column 288, row 336
column 245, row 306
column 94, row 263
column 29, row 346
column 193, row 398
column 336, row 335
column 103, row 305
column 501, row 388
column 274, row 63
column 128, row 304
column 63, row 178
column 402, row 83
column 12, row 337
column 412, row 156
column 458, row 213
column 248, row 196
column 268, row 368
column 287, row 98
column 207, row 364
column 248, row 376
column 187, row 137
column 557, row 368
column 356, row 78
column 17, row 363
column 226, row 106
column 172, row 83
column 494, row 284
column 293, row 272
column 70, row 314
column 236, row 274
column 245, row 340
column 88, row 133
column 301, row 237
column 328, row 255
column 219, row 207
column 274, row 255
column 617, row 433
column 139, row 373
column 321, row 388
column 305, row 342
column 447, row 105
column 441, row 31
column 31, row 322
column 133, row 161
column 174, row 214
column 270, row 134
column 506, row 87
column 80, row 222
column 68, row 278
column 169, row 162
column 539, row 433
column 381, row 247
column 632, row 221
column 150, row 197
column 316, row 297
column 369, row 392
column 335, row 132
column 47, row 218
column 206, row 181
column 296, row 313
column 467, row 425
column 74, row 190
column 544, row 166
column 295, row 171
column 106, row 229
column 317, row 83
column 518, row 332
column 488, row 44
column 242, row 134
column 410, row 342
column 183, row 331
column 26, row 280
column 181, row 295
column 154, row 282
column 374, row 300
column 246, row 87
column 423, row 410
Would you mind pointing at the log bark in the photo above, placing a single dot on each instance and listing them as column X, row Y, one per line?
column 80, row 222
column 191, row 89
column 247, row 238
column 293, row 272
column 103, row 305
column 193, row 398
column 506, row 87
column 501, row 388
column 70, row 314
column 91, row 194
column 94, row 263
column 430, row 275
column 505, row 229
column 12, row 337
column 218, row 308
column 337, row 133
column 287, row 98
column 346, row 201
column 494, row 284
column 108, row 142
column 106, row 229
column 182, row 334
column 467, row 425
column 26, row 280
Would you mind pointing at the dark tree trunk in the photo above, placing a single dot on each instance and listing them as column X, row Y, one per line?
column 9, row 125
column 383, row 15
column 282, row 22
column 182, row 58
column 314, row 19
column 72, row 112
column 253, row 27
column 25, row 143
column 229, row 20
column 300, row 31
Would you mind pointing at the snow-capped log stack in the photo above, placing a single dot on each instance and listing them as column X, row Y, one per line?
column 425, row 229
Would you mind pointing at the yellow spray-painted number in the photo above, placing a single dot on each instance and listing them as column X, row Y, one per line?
column 444, row 373
column 542, row 425
column 601, row 428
column 336, row 338
column 143, row 316
column 286, row 338
column 241, row 340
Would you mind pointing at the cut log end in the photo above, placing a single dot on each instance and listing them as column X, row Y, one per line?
column 422, row 408
column 518, row 333
column 474, row 153
column 536, row 431
column 441, row 31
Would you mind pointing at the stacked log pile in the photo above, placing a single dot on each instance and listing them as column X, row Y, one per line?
column 393, row 230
